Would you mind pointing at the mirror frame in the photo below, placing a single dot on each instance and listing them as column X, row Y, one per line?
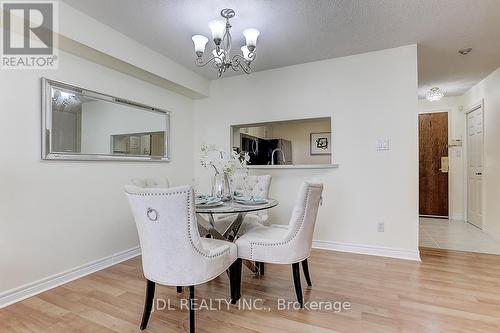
column 47, row 153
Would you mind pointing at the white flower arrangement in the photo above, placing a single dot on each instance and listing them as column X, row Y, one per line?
column 221, row 161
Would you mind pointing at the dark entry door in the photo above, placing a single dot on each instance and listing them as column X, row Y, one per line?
column 433, row 165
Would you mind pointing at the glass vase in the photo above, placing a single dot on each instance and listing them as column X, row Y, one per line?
column 221, row 187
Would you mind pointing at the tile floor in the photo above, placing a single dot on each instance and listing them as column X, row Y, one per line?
column 456, row 235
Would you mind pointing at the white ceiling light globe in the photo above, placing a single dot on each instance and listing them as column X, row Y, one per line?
column 199, row 43
column 251, row 36
column 217, row 27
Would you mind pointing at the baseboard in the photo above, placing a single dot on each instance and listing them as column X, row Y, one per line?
column 457, row 217
column 31, row 289
column 367, row 250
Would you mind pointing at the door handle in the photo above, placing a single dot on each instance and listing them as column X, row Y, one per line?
column 479, row 173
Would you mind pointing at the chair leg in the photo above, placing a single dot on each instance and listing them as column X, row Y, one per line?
column 179, row 290
column 235, row 280
column 305, row 268
column 260, row 267
column 148, row 304
column 298, row 286
column 191, row 309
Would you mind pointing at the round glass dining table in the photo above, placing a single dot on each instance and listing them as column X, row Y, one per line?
column 228, row 207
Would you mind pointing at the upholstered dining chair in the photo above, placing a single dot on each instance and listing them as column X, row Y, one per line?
column 287, row 245
column 151, row 182
column 257, row 186
column 173, row 254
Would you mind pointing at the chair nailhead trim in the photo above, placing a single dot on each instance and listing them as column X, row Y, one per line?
column 155, row 194
column 200, row 251
column 286, row 241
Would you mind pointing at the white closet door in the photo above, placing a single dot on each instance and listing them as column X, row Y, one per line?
column 475, row 167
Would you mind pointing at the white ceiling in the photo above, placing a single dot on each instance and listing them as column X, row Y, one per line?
column 299, row 31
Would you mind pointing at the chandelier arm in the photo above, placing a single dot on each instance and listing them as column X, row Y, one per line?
column 239, row 62
column 199, row 61
column 251, row 56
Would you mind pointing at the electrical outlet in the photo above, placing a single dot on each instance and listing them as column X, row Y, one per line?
column 380, row 227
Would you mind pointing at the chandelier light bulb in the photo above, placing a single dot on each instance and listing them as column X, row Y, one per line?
column 199, row 44
column 435, row 94
column 217, row 27
column 251, row 36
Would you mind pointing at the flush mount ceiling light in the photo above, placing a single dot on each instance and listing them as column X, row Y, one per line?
column 465, row 51
column 221, row 58
column 435, row 94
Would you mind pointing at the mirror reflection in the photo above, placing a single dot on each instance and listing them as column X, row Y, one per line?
column 82, row 123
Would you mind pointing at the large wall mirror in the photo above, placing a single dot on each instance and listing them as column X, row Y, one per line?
column 80, row 124
column 285, row 143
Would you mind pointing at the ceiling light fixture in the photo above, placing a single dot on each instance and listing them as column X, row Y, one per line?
column 221, row 36
column 435, row 94
column 64, row 101
column 465, row 51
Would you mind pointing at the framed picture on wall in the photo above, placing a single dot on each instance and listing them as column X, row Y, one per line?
column 320, row 143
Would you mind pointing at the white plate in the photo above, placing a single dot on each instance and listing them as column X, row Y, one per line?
column 252, row 202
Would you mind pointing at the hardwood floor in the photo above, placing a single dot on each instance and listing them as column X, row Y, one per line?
column 448, row 291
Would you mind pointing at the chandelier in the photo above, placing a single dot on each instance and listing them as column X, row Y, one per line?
column 221, row 57
column 435, row 94
column 64, row 101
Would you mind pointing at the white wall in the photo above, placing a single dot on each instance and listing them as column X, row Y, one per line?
column 489, row 90
column 57, row 215
column 368, row 96
column 456, row 129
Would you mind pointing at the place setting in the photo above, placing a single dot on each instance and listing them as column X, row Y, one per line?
column 208, row 201
column 250, row 200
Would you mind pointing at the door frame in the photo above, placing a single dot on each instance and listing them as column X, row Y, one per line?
column 448, row 113
column 467, row 110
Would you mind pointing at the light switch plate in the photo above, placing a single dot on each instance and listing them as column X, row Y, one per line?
column 382, row 144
